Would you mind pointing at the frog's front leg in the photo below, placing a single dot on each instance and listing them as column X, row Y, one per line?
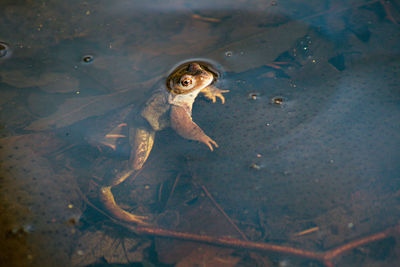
column 211, row 92
column 182, row 123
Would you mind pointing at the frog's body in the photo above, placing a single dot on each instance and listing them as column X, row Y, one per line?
column 167, row 107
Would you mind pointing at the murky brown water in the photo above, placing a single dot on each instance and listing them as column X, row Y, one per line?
column 308, row 137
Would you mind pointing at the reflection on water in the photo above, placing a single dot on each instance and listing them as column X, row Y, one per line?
column 308, row 137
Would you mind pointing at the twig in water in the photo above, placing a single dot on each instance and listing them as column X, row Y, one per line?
column 223, row 212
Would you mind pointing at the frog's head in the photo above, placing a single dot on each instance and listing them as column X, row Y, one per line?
column 191, row 76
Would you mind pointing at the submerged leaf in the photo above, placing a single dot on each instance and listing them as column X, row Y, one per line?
column 52, row 82
column 97, row 245
column 77, row 109
column 260, row 48
column 40, row 200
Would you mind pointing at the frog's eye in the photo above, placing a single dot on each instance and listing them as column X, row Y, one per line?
column 187, row 81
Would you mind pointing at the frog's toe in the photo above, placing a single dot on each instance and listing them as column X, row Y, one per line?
column 107, row 198
column 136, row 219
column 214, row 143
column 139, row 219
column 209, row 142
column 220, row 96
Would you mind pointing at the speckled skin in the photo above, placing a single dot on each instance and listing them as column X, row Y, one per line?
column 167, row 107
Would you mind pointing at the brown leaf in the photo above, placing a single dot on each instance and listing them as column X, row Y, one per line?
column 51, row 82
column 40, row 199
column 94, row 246
column 18, row 79
column 77, row 109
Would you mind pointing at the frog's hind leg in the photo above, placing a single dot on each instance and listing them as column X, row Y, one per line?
column 142, row 144
column 107, row 198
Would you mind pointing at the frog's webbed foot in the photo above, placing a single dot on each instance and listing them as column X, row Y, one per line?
column 107, row 198
column 212, row 93
column 111, row 138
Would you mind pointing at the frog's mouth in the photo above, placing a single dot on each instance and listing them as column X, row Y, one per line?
column 179, row 71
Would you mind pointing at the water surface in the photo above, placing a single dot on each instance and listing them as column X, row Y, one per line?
column 308, row 136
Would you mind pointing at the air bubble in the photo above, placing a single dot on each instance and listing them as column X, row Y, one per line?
column 4, row 49
column 228, row 53
column 255, row 166
column 87, row 59
column 278, row 100
column 253, row 95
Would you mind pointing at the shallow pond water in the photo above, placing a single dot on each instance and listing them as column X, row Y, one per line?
column 308, row 137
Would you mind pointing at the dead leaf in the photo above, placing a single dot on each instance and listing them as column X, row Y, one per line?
column 7, row 96
column 40, row 199
column 260, row 48
column 51, row 82
column 76, row 109
column 94, row 246
column 18, row 79
column 79, row 108
column 199, row 217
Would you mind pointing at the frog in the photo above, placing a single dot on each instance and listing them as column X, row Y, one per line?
column 170, row 105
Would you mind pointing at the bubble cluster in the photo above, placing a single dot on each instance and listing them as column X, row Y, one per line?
column 302, row 47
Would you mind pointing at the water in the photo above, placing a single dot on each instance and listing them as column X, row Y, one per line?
column 308, row 136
